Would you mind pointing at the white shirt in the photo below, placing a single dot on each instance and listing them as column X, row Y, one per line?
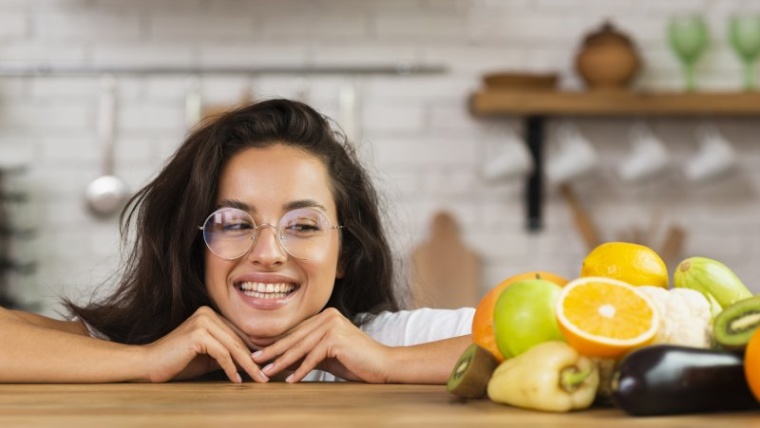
column 402, row 328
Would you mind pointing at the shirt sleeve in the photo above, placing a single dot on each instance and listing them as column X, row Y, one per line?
column 412, row 327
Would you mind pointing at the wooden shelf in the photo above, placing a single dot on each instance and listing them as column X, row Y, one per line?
column 490, row 102
column 537, row 105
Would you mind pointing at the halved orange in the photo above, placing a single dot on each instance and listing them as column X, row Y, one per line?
column 482, row 321
column 604, row 317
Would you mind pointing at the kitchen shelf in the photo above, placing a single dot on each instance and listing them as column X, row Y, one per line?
column 535, row 106
column 614, row 103
column 399, row 69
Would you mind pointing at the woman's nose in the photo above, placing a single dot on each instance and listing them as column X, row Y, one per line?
column 267, row 248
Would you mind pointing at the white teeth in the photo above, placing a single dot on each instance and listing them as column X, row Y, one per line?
column 262, row 290
column 258, row 295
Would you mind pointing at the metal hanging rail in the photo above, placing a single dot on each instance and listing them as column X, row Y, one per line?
column 400, row 69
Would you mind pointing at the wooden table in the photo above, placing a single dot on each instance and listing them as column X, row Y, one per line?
column 212, row 404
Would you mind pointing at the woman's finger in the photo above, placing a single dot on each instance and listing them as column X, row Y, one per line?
column 239, row 333
column 218, row 352
column 301, row 337
column 239, row 354
column 226, row 334
column 328, row 328
column 292, row 355
column 309, row 363
column 218, row 329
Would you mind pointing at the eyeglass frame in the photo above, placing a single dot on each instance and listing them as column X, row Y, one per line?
column 255, row 231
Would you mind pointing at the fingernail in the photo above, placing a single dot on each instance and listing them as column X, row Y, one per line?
column 268, row 368
column 257, row 353
column 263, row 376
column 239, row 378
column 289, row 379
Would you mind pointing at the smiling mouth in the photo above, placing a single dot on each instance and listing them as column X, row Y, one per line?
column 262, row 290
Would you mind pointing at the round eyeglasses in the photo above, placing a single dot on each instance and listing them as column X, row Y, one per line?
column 230, row 233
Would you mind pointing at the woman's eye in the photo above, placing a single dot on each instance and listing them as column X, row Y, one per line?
column 303, row 227
column 232, row 227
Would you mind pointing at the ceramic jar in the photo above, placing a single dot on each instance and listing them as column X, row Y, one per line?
column 607, row 59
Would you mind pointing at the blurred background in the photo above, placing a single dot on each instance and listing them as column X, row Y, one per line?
column 398, row 75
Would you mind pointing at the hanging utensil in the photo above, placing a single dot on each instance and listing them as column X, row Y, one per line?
column 673, row 244
column 106, row 194
column 582, row 219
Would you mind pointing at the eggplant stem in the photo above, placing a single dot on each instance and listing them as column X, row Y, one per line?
column 571, row 378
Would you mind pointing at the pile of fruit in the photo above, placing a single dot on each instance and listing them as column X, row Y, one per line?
column 618, row 334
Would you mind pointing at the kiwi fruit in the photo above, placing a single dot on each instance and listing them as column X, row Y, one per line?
column 470, row 375
column 736, row 323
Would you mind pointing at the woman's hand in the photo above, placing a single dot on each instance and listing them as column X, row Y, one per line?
column 330, row 342
column 203, row 343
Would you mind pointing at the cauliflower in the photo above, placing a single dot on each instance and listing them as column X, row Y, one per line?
column 685, row 316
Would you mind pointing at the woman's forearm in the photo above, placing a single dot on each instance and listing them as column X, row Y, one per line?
column 427, row 363
column 33, row 350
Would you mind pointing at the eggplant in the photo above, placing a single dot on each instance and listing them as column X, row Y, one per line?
column 670, row 379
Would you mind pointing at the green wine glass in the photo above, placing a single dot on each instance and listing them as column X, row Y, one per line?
column 744, row 35
column 688, row 37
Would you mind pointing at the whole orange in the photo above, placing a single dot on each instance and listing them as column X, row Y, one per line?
column 752, row 364
column 482, row 321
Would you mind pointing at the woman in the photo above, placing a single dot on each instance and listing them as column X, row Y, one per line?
column 258, row 248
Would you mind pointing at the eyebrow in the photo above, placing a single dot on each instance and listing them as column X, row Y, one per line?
column 292, row 205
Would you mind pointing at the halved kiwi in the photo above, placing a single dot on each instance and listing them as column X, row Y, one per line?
column 736, row 323
column 470, row 375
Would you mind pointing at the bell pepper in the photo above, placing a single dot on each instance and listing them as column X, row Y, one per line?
column 550, row 376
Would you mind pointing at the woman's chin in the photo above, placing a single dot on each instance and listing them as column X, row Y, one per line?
column 267, row 325
column 264, row 335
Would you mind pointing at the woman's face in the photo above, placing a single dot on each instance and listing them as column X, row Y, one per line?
column 267, row 183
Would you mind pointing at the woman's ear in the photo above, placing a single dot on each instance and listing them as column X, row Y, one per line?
column 341, row 271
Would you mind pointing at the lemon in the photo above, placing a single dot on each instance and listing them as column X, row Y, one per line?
column 631, row 263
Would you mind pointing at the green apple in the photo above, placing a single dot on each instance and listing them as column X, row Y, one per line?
column 524, row 316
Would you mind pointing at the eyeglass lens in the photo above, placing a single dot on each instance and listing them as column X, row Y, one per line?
column 230, row 233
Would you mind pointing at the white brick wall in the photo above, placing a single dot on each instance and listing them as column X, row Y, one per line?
column 417, row 135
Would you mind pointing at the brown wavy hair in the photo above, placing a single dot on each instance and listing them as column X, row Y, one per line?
column 161, row 282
